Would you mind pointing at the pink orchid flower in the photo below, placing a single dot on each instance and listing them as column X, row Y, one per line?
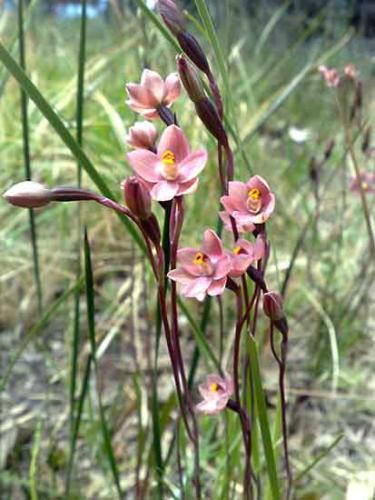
column 249, row 203
column 330, row 75
column 202, row 271
column 367, row 181
column 173, row 169
column 142, row 135
column 241, row 228
column 244, row 254
column 152, row 93
column 216, row 392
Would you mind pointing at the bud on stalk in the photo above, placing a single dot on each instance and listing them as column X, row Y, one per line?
column 28, row 194
column 137, row 198
column 190, row 79
column 209, row 116
column 273, row 309
column 193, row 50
column 172, row 16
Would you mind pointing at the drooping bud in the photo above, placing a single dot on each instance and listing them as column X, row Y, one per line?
column 273, row 305
column 28, row 194
column 142, row 135
column 190, row 79
column 328, row 149
column 208, row 114
column 190, row 45
column 171, row 16
column 273, row 309
column 137, row 197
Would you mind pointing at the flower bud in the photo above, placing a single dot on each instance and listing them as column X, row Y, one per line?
column 351, row 72
column 142, row 135
column 273, row 306
column 28, row 194
column 209, row 116
column 171, row 16
column 137, row 197
column 190, row 79
column 193, row 50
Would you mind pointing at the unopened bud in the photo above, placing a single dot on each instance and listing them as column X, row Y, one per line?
column 273, row 305
column 193, row 50
column 137, row 197
column 190, row 79
column 208, row 114
column 366, row 139
column 142, row 135
column 171, row 16
column 328, row 149
column 28, row 194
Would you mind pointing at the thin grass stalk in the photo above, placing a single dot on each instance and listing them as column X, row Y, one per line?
column 27, row 161
column 92, row 335
column 76, row 320
column 281, row 361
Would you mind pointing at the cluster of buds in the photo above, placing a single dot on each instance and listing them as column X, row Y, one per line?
column 332, row 76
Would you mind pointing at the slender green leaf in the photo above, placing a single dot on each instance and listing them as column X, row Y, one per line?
column 92, row 336
column 33, row 473
column 263, row 419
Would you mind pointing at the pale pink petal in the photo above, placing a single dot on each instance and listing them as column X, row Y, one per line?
column 149, row 113
column 192, row 165
column 180, row 276
column 164, row 191
column 173, row 88
column 259, row 247
column 154, row 83
column 222, row 267
column 217, row 287
column 173, row 139
column 186, row 255
column 141, row 96
column 188, row 187
column 225, row 217
column 237, row 189
column 208, row 407
column 212, row 245
column 144, row 163
column 196, row 287
column 259, row 183
column 232, row 204
column 239, row 265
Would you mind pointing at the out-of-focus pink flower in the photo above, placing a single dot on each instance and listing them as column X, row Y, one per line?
column 216, row 392
column 142, row 135
column 173, row 169
column 351, row 72
column 241, row 228
column 244, row 254
column 330, row 75
column 202, row 271
column 367, row 182
column 249, row 203
column 152, row 93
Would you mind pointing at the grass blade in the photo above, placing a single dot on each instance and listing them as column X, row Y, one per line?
column 33, row 473
column 91, row 329
column 55, row 121
column 263, row 419
column 26, row 157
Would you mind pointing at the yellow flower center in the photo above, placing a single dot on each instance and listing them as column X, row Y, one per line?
column 254, row 201
column 236, row 250
column 254, row 194
column 199, row 258
column 365, row 186
column 170, row 168
column 214, row 387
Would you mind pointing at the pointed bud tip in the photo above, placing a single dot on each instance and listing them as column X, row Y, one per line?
column 28, row 194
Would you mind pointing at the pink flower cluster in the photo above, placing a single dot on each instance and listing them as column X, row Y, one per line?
column 332, row 76
column 205, row 271
column 169, row 169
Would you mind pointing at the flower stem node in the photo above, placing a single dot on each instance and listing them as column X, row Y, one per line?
column 28, row 194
